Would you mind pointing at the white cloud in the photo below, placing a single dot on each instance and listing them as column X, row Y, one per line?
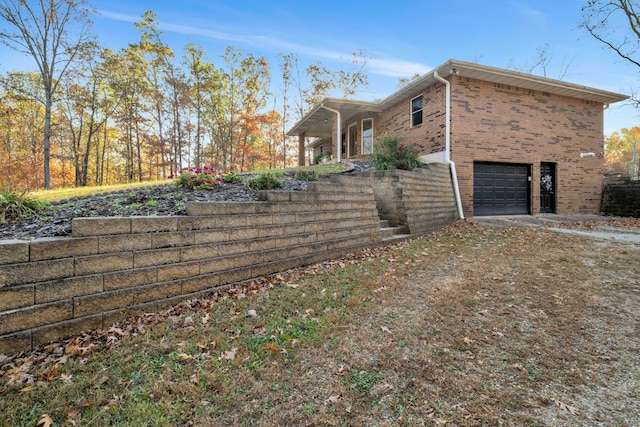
column 397, row 67
column 533, row 15
column 389, row 67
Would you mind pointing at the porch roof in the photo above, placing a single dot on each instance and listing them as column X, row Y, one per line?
column 318, row 121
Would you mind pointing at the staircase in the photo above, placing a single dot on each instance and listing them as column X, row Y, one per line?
column 390, row 232
column 407, row 202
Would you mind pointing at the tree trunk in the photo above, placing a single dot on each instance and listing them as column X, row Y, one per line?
column 47, row 139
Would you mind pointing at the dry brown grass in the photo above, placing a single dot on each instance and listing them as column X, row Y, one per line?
column 470, row 326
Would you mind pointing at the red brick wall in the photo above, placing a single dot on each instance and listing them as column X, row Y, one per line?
column 430, row 135
column 491, row 122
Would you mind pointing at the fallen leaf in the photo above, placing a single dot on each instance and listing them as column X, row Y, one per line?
column 204, row 319
column 252, row 313
column 73, row 416
column 332, row 400
column 124, row 383
column 271, row 347
column 467, row 340
column 565, row 407
column 66, row 378
column 520, row 367
column 45, row 421
column 115, row 400
column 102, row 380
column 229, row 354
column 183, row 357
column 50, row 373
column 195, row 378
column 28, row 388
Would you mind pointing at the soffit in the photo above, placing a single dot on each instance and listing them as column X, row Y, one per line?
column 507, row 78
column 319, row 121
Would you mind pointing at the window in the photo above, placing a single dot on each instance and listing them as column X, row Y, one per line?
column 416, row 111
column 367, row 136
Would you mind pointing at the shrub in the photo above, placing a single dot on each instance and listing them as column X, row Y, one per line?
column 321, row 158
column 304, row 175
column 204, row 178
column 389, row 152
column 17, row 205
column 265, row 181
column 231, row 177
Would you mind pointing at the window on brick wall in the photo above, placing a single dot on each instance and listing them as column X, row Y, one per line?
column 416, row 111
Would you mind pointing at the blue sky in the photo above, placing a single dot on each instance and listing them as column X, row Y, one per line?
column 401, row 37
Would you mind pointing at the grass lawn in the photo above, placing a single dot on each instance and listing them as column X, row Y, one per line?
column 469, row 326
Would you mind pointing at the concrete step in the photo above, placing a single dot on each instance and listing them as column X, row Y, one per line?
column 389, row 232
column 395, row 237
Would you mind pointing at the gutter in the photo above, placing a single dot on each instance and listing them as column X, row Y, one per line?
column 339, row 143
column 452, row 165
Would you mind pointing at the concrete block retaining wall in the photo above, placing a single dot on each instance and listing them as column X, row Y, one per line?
column 113, row 267
column 419, row 201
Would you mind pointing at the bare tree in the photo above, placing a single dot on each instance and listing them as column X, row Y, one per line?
column 42, row 29
column 616, row 24
column 542, row 61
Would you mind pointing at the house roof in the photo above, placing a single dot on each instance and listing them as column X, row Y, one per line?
column 318, row 121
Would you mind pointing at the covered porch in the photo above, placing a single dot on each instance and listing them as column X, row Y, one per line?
column 337, row 128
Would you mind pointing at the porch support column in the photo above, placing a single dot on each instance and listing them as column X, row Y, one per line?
column 301, row 149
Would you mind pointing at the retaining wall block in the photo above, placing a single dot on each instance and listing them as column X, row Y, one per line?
column 62, row 247
column 100, row 226
column 13, row 251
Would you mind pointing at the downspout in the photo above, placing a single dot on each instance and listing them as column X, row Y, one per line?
column 452, row 165
column 339, row 144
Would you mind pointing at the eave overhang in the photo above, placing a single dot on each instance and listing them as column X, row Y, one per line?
column 318, row 121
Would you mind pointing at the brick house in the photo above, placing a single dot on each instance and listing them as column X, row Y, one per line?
column 517, row 143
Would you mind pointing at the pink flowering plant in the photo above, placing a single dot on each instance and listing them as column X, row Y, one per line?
column 390, row 152
column 204, row 178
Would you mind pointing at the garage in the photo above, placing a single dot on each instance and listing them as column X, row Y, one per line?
column 500, row 189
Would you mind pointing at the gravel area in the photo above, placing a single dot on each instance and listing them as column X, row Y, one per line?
column 161, row 200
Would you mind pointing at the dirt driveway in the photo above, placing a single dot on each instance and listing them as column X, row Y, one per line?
column 599, row 227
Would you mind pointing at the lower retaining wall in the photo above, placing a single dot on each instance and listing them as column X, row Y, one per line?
column 113, row 267
column 621, row 197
